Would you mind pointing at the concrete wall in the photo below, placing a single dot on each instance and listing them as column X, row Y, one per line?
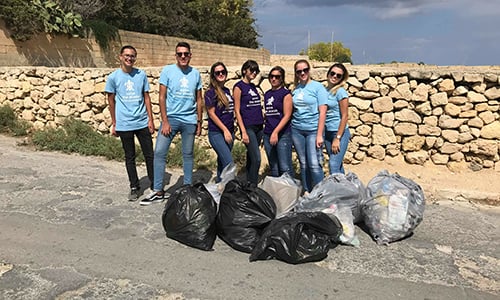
column 153, row 50
column 448, row 116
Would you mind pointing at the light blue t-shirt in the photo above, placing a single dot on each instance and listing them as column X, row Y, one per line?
column 333, row 113
column 129, row 89
column 306, row 101
column 182, row 86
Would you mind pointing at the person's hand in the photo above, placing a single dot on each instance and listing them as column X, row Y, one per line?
column 228, row 137
column 165, row 128
column 245, row 139
column 113, row 130
column 151, row 126
column 335, row 146
column 319, row 141
column 273, row 139
column 198, row 129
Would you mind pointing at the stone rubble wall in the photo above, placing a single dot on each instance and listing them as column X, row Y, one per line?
column 443, row 115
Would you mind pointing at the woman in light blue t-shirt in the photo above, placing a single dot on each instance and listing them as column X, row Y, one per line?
column 308, row 124
column 337, row 133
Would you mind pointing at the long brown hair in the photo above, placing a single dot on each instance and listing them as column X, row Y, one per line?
column 345, row 75
column 221, row 95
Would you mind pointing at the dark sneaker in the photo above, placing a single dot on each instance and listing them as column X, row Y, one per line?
column 134, row 194
column 153, row 198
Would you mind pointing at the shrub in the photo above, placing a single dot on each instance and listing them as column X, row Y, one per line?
column 203, row 159
column 9, row 123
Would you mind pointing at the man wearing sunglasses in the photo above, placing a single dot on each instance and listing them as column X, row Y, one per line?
column 181, row 112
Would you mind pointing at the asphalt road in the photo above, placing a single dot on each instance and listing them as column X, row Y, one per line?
column 68, row 232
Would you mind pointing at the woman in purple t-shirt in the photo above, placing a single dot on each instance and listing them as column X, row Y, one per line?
column 277, row 130
column 248, row 111
column 220, row 110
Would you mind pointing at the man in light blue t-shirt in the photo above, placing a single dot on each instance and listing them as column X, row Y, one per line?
column 131, row 114
column 181, row 112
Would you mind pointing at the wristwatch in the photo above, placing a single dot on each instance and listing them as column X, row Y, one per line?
column 338, row 136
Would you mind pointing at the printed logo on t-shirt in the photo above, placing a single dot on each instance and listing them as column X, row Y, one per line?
column 270, row 101
column 300, row 96
column 252, row 93
column 184, row 82
column 129, row 85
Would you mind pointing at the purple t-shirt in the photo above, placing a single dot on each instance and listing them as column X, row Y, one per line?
column 250, row 105
column 273, row 103
column 225, row 114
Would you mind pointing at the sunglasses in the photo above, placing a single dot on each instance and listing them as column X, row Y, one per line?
column 129, row 56
column 218, row 73
column 182, row 54
column 254, row 70
column 272, row 76
column 299, row 72
column 336, row 75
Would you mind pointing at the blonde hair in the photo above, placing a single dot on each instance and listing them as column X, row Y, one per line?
column 345, row 75
column 296, row 78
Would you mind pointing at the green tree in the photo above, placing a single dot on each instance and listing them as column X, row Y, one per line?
column 334, row 52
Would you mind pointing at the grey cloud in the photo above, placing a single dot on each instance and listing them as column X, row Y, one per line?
column 367, row 3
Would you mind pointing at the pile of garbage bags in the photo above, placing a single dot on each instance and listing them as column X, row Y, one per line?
column 272, row 221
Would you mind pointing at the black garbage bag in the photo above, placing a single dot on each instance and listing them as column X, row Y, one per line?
column 298, row 237
column 393, row 208
column 244, row 212
column 189, row 217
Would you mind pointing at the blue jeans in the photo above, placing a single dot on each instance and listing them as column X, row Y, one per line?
column 254, row 133
column 161, row 151
column 335, row 163
column 310, row 157
column 223, row 150
column 279, row 156
column 128, row 144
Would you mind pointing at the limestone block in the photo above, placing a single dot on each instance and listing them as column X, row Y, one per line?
column 87, row 116
column 408, row 115
column 464, row 128
column 382, row 104
column 431, row 120
column 485, row 147
column 28, row 102
column 370, row 118
column 479, row 87
column 491, row 77
column 38, row 125
column 479, row 107
column 363, row 130
column 452, row 109
column 361, row 140
column 392, row 150
column 103, row 128
column 436, row 82
column 354, row 82
column 488, row 163
column 348, row 158
column 382, row 135
column 391, row 81
column 402, row 91
column 387, row 119
column 81, row 107
column 417, row 158
column 371, row 85
column 473, row 77
column 430, row 141
column 71, row 83
column 367, row 95
column 491, row 131
column 27, row 115
column 377, row 152
column 400, row 104
column 440, row 159
column 48, row 92
column 99, row 100
column 438, row 99
column 402, row 79
column 87, row 88
column 63, row 110
column 359, row 103
column 413, row 143
column 447, row 122
column 362, row 75
column 421, row 93
column 476, row 132
column 405, row 128
column 352, row 147
column 72, row 96
column 458, row 156
column 487, row 117
column 467, row 106
column 360, row 155
column 460, row 90
column 450, row 135
column 476, row 97
column 469, row 114
column 353, row 123
column 450, row 148
column 447, row 85
column 384, row 90
column 99, row 87
column 465, row 137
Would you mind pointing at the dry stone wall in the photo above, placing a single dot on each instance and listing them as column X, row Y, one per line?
column 447, row 116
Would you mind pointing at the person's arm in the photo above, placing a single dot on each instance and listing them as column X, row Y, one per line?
column 287, row 115
column 111, row 102
column 199, row 112
column 344, row 111
column 321, row 125
column 239, row 118
column 165, row 127
column 149, row 109
column 228, row 137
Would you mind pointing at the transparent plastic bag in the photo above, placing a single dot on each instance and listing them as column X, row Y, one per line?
column 284, row 190
column 216, row 189
column 393, row 208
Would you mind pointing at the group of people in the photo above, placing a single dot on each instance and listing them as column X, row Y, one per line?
column 306, row 118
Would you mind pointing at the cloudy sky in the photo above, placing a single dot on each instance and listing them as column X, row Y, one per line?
column 440, row 32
